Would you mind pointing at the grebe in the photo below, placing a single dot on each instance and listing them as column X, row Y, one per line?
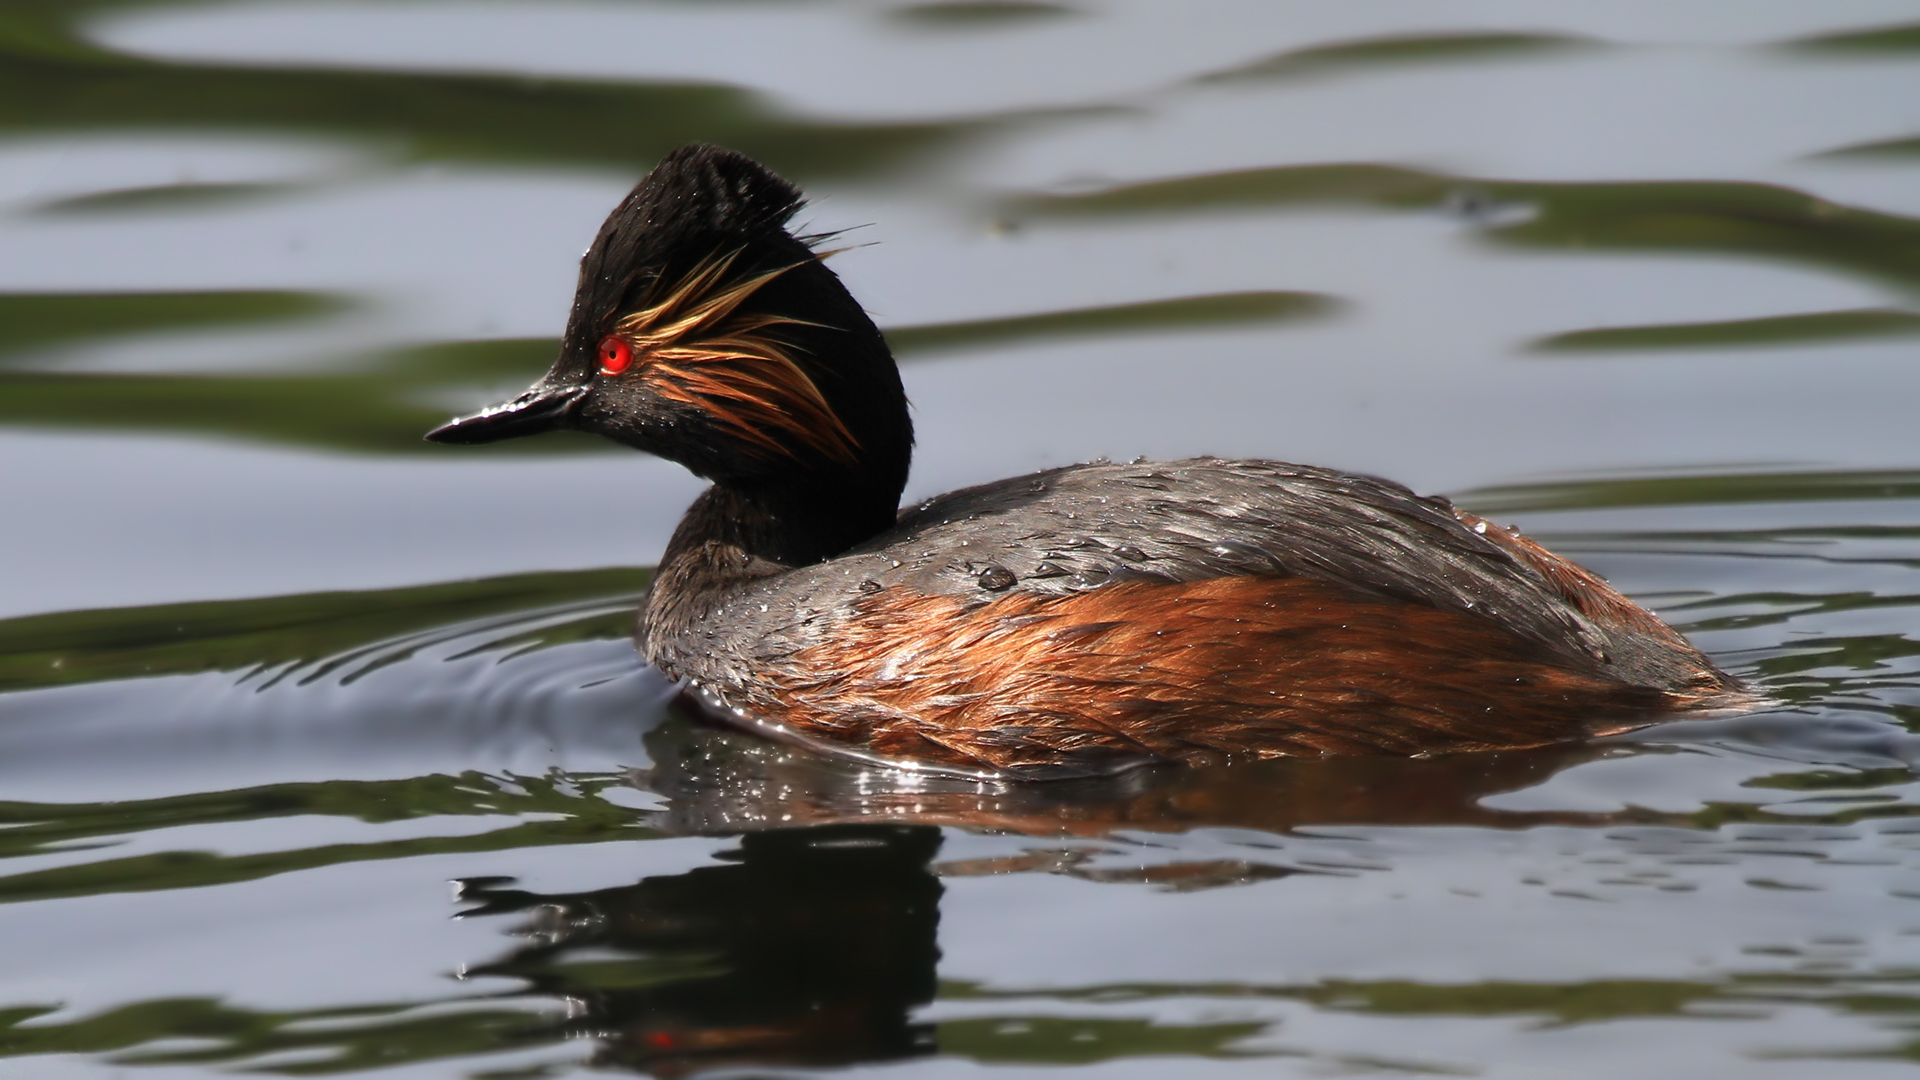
column 1078, row 620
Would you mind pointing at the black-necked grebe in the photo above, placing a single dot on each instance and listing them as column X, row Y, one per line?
column 1077, row 620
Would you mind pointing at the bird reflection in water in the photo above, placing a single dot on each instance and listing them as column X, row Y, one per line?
column 716, row 781
column 807, row 948
column 813, row 943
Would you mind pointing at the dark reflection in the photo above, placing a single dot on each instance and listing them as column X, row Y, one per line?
column 36, row 321
column 1181, row 313
column 1696, row 491
column 1877, row 148
column 810, row 948
column 1284, row 185
column 380, row 404
column 1898, row 38
column 972, row 14
column 183, row 196
column 360, row 412
column 1814, row 328
column 1397, row 52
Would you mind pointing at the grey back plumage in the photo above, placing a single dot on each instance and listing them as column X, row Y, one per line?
column 1076, row 528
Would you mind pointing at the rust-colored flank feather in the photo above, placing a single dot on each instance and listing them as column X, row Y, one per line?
column 1193, row 671
column 698, row 347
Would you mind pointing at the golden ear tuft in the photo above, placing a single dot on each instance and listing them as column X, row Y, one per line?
column 697, row 347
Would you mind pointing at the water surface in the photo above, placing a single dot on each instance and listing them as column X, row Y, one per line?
column 1639, row 277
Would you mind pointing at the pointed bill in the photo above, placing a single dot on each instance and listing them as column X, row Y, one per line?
column 544, row 407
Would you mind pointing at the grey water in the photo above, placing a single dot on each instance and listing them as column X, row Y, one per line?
column 323, row 750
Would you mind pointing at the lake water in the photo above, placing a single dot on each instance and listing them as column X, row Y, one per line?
column 1643, row 278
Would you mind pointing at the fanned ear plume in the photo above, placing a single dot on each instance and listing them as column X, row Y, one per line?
column 701, row 350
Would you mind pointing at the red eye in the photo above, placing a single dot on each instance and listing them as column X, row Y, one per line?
column 616, row 354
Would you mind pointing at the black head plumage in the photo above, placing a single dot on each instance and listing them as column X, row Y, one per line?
column 704, row 331
column 699, row 201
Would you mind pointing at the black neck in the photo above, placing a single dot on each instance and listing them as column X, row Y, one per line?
column 789, row 526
